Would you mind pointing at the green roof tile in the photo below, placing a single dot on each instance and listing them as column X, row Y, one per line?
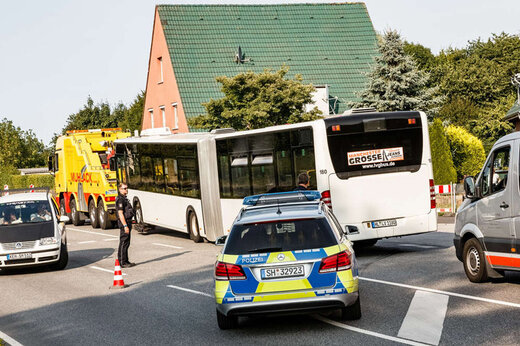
column 332, row 44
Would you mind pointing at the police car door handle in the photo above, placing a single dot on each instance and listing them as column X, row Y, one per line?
column 504, row 205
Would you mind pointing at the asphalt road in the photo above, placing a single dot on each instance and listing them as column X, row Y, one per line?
column 413, row 290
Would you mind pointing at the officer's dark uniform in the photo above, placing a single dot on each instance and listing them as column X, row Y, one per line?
column 122, row 203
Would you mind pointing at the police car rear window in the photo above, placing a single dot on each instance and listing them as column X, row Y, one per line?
column 283, row 235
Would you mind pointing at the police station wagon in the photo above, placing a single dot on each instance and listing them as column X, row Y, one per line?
column 31, row 232
column 285, row 253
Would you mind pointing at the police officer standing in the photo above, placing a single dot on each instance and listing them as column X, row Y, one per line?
column 125, row 213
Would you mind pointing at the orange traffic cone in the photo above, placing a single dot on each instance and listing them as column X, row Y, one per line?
column 118, row 277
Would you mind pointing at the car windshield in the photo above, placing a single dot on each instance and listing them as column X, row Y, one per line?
column 283, row 235
column 24, row 212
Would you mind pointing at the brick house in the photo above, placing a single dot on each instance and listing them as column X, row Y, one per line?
column 331, row 45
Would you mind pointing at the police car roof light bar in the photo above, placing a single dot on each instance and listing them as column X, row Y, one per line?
column 28, row 190
column 282, row 197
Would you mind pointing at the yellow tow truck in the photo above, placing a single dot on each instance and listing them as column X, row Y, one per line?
column 84, row 184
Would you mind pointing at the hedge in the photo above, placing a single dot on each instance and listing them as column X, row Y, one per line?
column 443, row 168
column 467, row 151
column 23, row 181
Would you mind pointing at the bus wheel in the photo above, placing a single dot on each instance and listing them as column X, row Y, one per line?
column 360, row 244
column 75, row 215
column 474, row 261
column 104, row 219
column 62, row 209
column 93, row 214
column 193, row 227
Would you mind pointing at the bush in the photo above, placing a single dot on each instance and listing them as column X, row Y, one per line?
column 467, row 151
column 443, row 169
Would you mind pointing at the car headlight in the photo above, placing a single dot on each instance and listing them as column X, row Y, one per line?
column 48, row 241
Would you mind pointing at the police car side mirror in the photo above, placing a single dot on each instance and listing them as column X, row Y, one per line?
column 64, row 218
column 221, row 240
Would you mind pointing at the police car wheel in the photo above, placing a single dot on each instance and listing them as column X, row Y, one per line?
column 352, row 312
column 474, row 261
column 104, row 219
column 64, row 259
column 193, row 227
column 76, row 218
column 93, row 214
column 226, row 322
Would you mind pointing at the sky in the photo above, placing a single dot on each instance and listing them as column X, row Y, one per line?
column 55, row 53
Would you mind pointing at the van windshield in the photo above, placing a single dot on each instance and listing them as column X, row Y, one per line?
column 282, row 235
column 24, row 212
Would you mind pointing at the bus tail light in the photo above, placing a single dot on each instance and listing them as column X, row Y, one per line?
column 325, row 197
column 433, row 204
column 227, row 271
column 335, row 263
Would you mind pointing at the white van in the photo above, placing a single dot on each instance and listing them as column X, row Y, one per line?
column 31, row 231
column 487, row 226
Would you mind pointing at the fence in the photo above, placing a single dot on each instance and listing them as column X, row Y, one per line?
column 447, row 199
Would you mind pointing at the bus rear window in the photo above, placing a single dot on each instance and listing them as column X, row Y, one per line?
column 375, row 143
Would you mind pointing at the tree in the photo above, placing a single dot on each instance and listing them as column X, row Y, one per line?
column 19, row 148
column 467, row 151
column 443, row 169
column 256, row 100
column 395, row 81
column 423, row 56
column 129, row 118
column 91, row 117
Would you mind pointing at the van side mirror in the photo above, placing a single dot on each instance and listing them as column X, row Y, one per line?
column 469, row 187
column 112, row 163
column 221, row 240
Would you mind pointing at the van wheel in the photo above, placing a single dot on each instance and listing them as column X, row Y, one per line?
column 64, row 259
column 75, row 215
column 352, row 312
column 104, row 219
column 93, row 214
column 226, row 322
column 474, row 261
column 193, row 227
column 62, row 210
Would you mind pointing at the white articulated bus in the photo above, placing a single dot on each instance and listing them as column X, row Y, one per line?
column 374, row 169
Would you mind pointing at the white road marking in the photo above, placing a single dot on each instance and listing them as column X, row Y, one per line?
column 90, row 232
column 9, row 340
column 453, row 294
column 326, row 320
column 425, row 318
column 420, row 246
column 165, row 245
column 110, row 239
column 87, row 242
column 191, row 291
column 104, row 270
column 367, row 332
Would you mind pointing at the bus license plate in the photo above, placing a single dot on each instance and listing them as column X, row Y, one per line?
column 16, row 256
column 282, row 272
column 384, row 223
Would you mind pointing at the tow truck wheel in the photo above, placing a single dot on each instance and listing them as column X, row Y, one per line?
column 352, row 312
column 193, row 227
column 75, row 215
column 62, row 209
column 104, row 219
column 474, row 261
column 93, row 214
column 226, row 322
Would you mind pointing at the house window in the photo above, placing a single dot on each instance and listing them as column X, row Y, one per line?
column 151, row 117
column 175, row 117
column 161, row 77
column 163, row 113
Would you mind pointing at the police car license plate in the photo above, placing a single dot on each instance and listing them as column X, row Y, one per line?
column 384, row 223
column 16, row 256
column 282, row 272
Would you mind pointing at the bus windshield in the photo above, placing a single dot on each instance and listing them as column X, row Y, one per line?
column 375, row 143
